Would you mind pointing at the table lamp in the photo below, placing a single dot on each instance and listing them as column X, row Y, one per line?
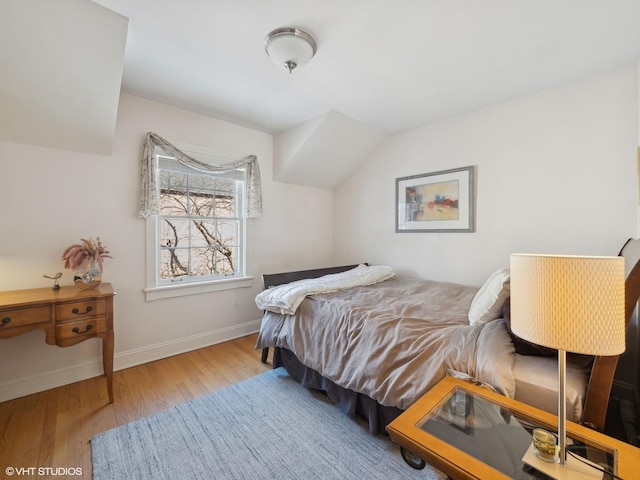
column 572, row 304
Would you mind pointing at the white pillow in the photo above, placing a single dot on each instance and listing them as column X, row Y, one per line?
column 487, row 303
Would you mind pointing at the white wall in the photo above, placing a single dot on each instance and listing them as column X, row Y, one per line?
column 51, row 198
column 555, row 173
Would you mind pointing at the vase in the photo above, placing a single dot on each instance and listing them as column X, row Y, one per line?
column 90, row 278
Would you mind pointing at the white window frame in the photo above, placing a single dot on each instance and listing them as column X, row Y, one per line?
column 154, row 289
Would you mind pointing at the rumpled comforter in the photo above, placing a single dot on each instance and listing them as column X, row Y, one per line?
column 394, row 340
column 286, row 298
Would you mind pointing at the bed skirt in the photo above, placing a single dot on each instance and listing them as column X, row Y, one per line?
column 350, row 402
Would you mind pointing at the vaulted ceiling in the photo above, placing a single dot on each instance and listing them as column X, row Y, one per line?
column 61, row 65
column 381, row 67
column 391, row 64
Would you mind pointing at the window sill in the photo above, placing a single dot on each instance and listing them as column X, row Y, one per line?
column 169, row 291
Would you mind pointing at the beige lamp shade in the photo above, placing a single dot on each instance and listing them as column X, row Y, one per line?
column 569, row 303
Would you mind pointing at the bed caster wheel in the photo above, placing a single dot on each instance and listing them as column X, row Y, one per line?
column 412, row 459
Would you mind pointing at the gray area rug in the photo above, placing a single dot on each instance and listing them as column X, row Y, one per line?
column 266, row 427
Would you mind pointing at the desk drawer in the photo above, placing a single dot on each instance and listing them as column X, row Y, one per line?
column 81, row 328
column 79, row 310
column 24, row 316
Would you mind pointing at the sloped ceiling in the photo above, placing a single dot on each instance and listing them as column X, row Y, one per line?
column 382, row 67
column 62, row 64
column 324, row 151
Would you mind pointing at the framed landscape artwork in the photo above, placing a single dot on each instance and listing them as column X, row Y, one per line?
column 436, row 202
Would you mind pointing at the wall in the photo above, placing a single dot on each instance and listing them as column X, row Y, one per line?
column 51, row 198
column 555, row 173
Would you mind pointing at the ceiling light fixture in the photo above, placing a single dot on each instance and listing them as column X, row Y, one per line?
column 290, row 47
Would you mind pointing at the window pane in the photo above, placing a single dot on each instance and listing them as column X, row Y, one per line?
column 226, row 260
column 172, row 203
column 224, row 185
column 225, row 206
column 201, row 204
column 204, row 233
column 173, row 193
column 174, row 262
column 169, row 178
column 201, row 182
column 228, row 232
column 202, row 262
column 175, row 232
column 201, row 193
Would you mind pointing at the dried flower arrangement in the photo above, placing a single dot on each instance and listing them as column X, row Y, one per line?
column 81, row 256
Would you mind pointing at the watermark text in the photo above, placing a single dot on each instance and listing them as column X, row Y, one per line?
column 51, row 471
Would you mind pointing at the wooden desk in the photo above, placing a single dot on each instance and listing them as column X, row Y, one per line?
column 68, row 316
column 437, row 449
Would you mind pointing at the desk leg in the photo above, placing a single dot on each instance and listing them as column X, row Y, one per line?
column 107, row 361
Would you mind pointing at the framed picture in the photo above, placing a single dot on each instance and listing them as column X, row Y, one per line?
column 436, row 202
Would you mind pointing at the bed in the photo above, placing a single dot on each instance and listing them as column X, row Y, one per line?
column 376, row 347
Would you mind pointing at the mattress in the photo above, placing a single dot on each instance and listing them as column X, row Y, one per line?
column 536, row 380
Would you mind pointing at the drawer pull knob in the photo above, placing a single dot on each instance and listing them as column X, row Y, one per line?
column 77, row 311
column 77, row 330
column 5, row 321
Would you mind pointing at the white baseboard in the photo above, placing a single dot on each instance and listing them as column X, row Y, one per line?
column 139, row 356
column 64, row 376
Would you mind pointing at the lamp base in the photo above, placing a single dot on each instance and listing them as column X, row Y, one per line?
column 573, row 470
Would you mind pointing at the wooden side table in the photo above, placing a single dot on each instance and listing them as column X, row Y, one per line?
column 67, row 315
column 470, row 432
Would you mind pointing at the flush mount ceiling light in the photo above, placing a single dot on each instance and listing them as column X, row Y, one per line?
column 290, row 47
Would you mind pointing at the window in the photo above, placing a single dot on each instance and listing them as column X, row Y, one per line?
column 200, row 223
column 199, row 234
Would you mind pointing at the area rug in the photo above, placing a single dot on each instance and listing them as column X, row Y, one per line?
column 266, row 427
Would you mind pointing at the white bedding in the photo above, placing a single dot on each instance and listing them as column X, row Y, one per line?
column 286, row 299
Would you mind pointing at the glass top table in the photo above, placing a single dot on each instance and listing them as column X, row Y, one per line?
column 470, row 432
column 497, row 436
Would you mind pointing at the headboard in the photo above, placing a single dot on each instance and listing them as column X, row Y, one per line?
column 604, row 368
column 273, row 279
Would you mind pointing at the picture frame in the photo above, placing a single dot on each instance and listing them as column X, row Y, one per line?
column 436, row 202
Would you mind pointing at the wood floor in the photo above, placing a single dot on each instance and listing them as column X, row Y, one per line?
column 53, row 428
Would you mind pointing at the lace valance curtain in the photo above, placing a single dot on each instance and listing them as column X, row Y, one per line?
column 149, row 176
